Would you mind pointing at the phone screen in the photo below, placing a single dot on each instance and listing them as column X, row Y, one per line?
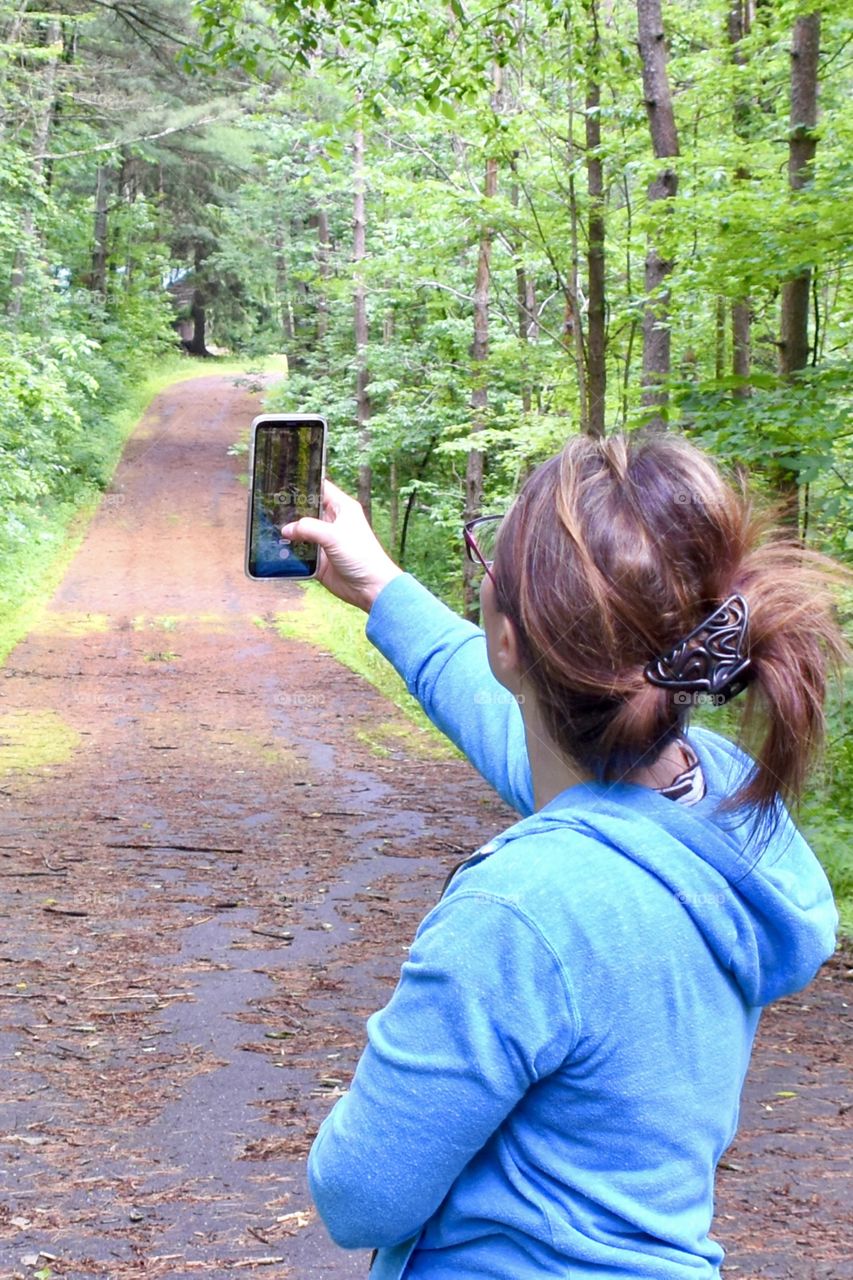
column 286, row 483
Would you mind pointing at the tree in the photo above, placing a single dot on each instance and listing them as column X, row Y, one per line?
column 741, row 308
column 43, row 108
column 659, row 108
column 596, row 378
column 362, row 399
column 794, row 349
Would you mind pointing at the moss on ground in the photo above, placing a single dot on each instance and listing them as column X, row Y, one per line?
column 393, row 736
column 31, row 740
column 63, row 623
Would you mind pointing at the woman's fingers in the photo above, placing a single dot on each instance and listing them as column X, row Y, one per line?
column 307, row 529
column 331, row 500
column 335, row 500
column 332, row 493
column 353, row 565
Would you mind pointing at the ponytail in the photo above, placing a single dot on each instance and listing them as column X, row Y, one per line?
column 795, row 645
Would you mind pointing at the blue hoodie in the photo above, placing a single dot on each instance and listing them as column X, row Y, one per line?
column 559, row 1070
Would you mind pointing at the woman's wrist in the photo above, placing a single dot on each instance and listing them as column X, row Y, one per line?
column 378, row 582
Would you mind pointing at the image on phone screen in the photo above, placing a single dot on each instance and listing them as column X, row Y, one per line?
column 286, row 483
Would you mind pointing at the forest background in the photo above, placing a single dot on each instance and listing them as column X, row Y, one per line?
column 473, row 228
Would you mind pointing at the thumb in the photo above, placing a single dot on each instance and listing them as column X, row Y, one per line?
column 309, row 530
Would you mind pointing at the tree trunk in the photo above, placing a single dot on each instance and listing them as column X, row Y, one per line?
column 410, row 501
column 197, row 344
column 741, row 344
column 393, row 503
column 573, row 336
column 656, row 325
column 11, row 35
column 525, row 295
column 572, row 318
column 128, row 189
column 15, row 26
column 98, row 278
column 527, row 326
column 323, row 249
column 46, row 98
column 802, row 144
column 596, row 379
column 282, row 285
column 362, row 400
column 720, row 337
column 739, row 21
column 629, row 293
column 479, row 393
column 68, row 31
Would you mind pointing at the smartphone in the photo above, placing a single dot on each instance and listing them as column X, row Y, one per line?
column 286, row 466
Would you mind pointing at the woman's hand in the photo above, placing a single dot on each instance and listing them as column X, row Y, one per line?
column 352, row 563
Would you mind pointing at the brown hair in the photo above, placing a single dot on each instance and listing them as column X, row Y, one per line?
column 614, row 551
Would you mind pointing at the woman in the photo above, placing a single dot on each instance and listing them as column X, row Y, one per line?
column 558, row 1072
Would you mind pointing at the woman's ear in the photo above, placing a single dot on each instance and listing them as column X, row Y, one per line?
column 504, row 652
column 502, row 644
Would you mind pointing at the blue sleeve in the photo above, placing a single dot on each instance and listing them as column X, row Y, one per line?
column 481, row 1012
column 444, row 663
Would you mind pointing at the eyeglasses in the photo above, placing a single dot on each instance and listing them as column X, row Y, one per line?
column 480, row 537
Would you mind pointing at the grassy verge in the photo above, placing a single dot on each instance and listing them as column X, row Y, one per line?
column 55, row 531
column 832, row 840
column 826, row 818
column 338, row 629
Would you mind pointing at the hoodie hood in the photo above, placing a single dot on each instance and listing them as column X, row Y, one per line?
column 761, row 901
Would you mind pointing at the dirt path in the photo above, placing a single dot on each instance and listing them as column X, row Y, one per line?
column 207, row 882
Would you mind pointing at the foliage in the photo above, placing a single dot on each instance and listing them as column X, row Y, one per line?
column 735, row 232
column 78, row 336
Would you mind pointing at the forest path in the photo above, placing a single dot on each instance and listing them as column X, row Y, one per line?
column 207, row 881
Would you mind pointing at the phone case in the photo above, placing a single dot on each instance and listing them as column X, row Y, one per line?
column 260, row 421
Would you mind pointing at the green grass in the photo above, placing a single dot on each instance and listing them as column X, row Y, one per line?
column 831, row 837
column 49, row 552
column 56, row 531
column 337, row 628
column 826, row 818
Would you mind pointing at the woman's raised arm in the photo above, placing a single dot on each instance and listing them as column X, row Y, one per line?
column 441, row 657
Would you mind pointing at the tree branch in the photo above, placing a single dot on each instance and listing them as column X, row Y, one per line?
column 129, row 142
column 131, row 17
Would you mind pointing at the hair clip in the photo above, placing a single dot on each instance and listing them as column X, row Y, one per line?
column 711, row 659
